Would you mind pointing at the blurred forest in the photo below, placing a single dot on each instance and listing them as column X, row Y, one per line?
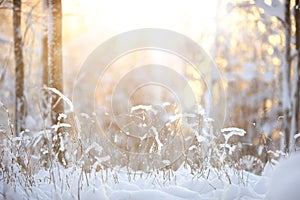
column 255, row 45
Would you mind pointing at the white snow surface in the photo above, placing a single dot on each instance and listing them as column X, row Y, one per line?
column 285, row 180
column 277, row 182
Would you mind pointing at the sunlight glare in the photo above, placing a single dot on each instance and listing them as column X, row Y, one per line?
column 192, row 18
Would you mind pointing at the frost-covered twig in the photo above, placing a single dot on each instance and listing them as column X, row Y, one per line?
column 231, row 132
column 62, row 96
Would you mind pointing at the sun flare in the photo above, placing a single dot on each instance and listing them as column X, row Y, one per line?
column 191, row 18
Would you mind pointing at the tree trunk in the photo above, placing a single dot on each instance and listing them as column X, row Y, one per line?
column 45, row 66
column 55, row 57
column 56, row 79
column 297, row 95
column 286, row 100
column 19, row 69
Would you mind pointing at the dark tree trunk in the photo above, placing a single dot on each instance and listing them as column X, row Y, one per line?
column 19, row 69
column 286, row 78
column 297, row 94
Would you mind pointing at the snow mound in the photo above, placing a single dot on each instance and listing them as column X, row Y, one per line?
column 285, row 180
column 72, row 184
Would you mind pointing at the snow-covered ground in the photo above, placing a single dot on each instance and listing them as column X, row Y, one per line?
column 277, row 182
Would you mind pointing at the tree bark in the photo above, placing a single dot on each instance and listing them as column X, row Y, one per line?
column 297, row 95
column 55, row 57
column 19, row 69
column 56, row 79
column 286, row 100
column 45, row 66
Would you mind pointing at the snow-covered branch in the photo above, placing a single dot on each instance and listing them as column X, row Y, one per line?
column 275, row 10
